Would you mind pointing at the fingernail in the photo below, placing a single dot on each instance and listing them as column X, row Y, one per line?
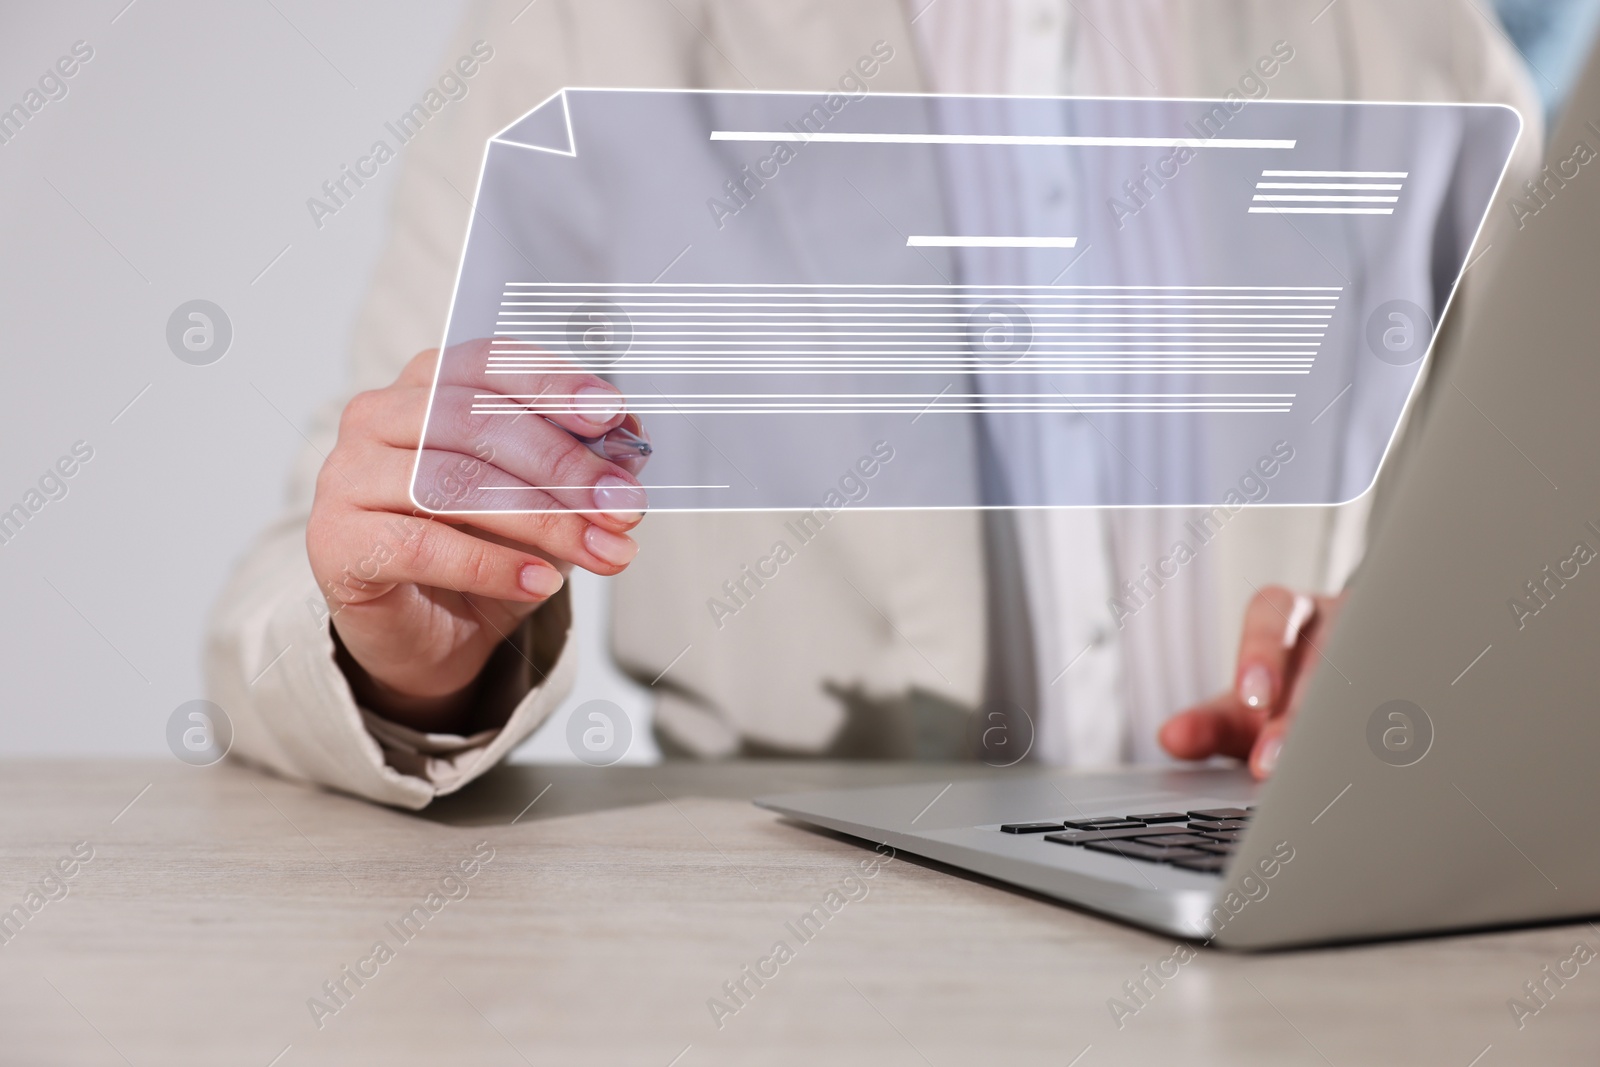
column 621, row 500
column 1267, row 760
column 540, row 580
column 597, row 404
column 614, row 548
column 1255, row 687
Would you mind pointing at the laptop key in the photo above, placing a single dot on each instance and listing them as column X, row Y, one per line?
column 1219, row 848
column 1102, row 824
column 1031, row 827
column 1082, row 837
column 1226, row 837
column 1219, row 826
column 1140, row 851
column 1204, row 863
column 1160, row 816
column 1219, row 814
column 1169, row 840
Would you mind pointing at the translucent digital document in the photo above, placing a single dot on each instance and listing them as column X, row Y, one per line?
column 946, row 301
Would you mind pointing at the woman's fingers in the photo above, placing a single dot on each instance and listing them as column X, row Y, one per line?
column 486, row 463
column 1278, row 654
column 1223, row 726
column 372, row 468
column 1236, row 723
column 559, row 389
column 361, row 555
column 544, row 461
column 594, row 542
column 1272, row 624
column 1311, row 636
column 574, row 399
column 1269, row 744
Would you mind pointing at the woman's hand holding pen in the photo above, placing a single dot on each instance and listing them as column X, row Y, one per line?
column 420, row 603
column 1284, row 633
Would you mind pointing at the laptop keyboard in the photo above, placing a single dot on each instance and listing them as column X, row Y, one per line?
column 1194, row 840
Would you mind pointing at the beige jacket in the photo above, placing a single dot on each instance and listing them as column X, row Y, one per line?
column 887, row 603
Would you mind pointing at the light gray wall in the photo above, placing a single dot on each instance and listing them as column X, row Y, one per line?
column 177, row 167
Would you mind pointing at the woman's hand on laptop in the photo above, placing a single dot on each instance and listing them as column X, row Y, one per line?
column 421, row 602
column 1279, row 652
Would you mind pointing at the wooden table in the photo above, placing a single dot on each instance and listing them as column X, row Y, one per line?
column 218, row 902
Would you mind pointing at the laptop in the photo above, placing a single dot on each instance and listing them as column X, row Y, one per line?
column 1441, row 772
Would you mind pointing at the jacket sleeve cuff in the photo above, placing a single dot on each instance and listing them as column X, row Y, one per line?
column 271, row 667
column 516, row 691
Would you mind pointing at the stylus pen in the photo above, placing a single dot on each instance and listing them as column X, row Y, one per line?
column 617, row 445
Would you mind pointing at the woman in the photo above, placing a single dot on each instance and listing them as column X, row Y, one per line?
column 419, row 653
